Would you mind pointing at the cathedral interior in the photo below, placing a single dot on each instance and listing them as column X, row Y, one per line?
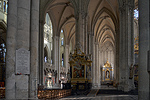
column 58, row 48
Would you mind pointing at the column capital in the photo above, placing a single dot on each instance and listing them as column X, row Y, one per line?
column 76, row 16
column 126, row 4
column 122, row 5
column 67, row 46
column 122, row 9
column 84, row 15
column 56, row 37
column 131, row 5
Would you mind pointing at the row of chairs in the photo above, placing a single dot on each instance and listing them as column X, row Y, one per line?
column 2, row 93
column 45, row 94
column 53, row 93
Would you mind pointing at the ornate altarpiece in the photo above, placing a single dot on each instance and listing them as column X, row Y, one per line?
column 107, row 73
column 80, row 67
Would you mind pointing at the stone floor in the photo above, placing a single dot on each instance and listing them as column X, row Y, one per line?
column 105, row 96
column 102, row 97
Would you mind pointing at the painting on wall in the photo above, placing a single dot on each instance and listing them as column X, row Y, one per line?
column 78, row 71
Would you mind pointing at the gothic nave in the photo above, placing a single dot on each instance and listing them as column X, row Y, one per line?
column 70, row 47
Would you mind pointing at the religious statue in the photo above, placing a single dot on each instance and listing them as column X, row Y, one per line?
column 49, row 81
column 68, row 75
column 107, row 74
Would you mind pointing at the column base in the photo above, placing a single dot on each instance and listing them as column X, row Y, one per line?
column 36, row 98
column 143, row 95
column 125, row 87
column 95, row 86
column 9, row 94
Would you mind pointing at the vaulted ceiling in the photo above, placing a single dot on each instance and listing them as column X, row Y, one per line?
column 103, row 18
column 61, row 13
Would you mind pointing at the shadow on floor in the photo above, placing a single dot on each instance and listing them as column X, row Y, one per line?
column 116, row 92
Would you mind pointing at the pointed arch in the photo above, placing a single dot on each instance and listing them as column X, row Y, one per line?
column 104, row 9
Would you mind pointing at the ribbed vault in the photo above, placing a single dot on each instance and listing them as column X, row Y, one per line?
column 103, row 23
column 61, row 13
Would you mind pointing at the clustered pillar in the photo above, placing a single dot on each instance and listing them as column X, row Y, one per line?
column 126, row 57
column 144, row 46
column 22, row 33
column 57, row 57
column 34, row 48
column 93, row 63
column 41, row 53
column 67, row 57
column 11, row 50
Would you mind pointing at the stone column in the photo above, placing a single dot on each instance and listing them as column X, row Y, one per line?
column 34, row 48
column 81, row 27
column 78, row 30
column 86, row 34
column 99, row 72
column 10, row 91
column 90, row 43
column 116, row 58
column 126, row 45
column 66, row 57
column 101, row 57
column 56, row 57
column 96, row 65
column 93, row 63
column 23, row 41
column 58, row 68
column 112, row 60
column 41, row 53
column 144, row 42
column 23, row 33
column 85, row 31
column 105, row 56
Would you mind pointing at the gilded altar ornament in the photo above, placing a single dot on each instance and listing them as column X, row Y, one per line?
column 80, row 66
column 136, row 45
column 107, row 73
column 107, row 64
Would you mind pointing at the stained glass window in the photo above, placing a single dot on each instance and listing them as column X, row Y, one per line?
column 2, row 52
column 62, row 59
column 136, row 14
column 62, row 41
column 62, row 47
column 2, row 62
column 48, row 38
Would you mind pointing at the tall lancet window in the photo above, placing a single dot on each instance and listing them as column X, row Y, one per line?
column 2, row 62
column 48, row 39
column 136, row 13
column 5, row 5
column 62, row 48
